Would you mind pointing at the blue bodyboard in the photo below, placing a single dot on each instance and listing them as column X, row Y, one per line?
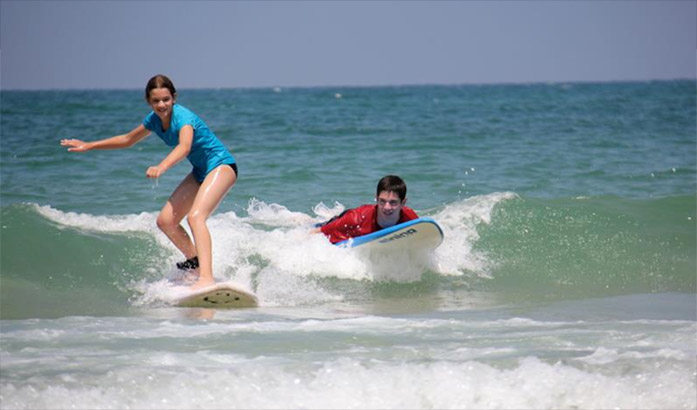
column 420, row 233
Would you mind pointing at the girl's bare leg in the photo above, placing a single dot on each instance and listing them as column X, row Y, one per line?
column 212, row 191
column 176, row 208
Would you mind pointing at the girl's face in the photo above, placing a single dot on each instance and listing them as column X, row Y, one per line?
column 161, row 100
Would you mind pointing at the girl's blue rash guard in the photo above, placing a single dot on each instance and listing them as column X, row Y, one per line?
column 207, row 152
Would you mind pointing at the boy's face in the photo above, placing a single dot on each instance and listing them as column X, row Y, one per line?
column 389, row 205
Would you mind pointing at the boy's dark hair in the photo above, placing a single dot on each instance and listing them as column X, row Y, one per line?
column 392, row 183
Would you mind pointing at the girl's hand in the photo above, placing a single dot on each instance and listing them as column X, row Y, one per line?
column 75, row 145
column 154, row 172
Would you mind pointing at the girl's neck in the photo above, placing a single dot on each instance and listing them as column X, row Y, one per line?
column 166, row 121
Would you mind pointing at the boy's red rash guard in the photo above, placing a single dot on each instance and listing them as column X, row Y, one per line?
column 360, row 221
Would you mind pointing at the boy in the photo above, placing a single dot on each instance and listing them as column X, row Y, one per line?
column 391, row 197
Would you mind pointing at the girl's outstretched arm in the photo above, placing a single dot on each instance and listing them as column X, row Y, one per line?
column 119, row 141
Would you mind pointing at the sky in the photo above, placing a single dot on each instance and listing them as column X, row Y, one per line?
column 229, row 44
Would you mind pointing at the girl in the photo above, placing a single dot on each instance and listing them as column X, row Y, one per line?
column 214, row 172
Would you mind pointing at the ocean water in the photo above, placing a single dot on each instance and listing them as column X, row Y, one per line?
column 567, row 278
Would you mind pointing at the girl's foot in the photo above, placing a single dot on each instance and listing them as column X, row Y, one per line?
column 184, row 278
column 202, row 283
column 187, row 273
column 189, row 264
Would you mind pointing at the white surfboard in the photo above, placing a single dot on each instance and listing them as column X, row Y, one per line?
column 220, row 295
column 417, row 234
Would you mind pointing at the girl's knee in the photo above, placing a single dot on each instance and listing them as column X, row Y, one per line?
column 165, row 223
column 195, row 219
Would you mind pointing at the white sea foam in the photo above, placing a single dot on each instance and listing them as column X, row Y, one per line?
column 229, row 381
column 459, row 222
column 604, row 355
column 101, row 223
column 274, row 214
column 273, row 359
column 273, row 248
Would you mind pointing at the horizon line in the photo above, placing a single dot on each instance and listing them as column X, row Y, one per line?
column 282, row 87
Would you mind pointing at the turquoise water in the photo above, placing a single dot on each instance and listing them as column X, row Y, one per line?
column 567, row 278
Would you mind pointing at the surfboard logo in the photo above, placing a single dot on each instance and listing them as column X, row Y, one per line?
column 400, row 235
column 422, row 233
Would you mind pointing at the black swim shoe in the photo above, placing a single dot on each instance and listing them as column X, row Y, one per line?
column 189, row 264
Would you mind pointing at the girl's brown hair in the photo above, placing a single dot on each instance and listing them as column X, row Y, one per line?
column 159, row 81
